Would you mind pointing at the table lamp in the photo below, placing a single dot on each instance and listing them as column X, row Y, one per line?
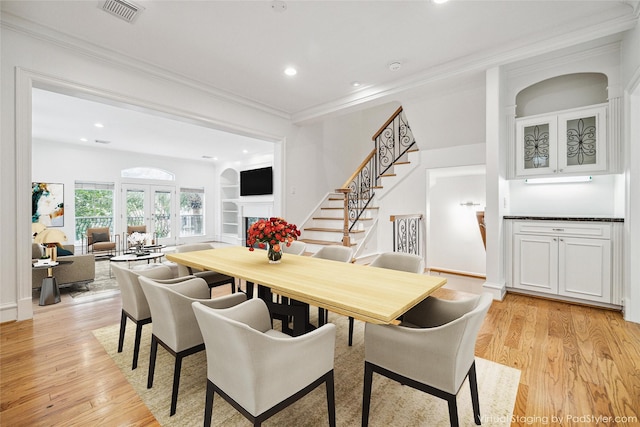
column 37, row 227
column 50, row 237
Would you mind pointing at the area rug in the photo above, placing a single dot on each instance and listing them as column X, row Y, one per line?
column 391, row 403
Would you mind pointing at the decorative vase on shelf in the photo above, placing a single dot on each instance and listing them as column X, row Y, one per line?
column 274, row 253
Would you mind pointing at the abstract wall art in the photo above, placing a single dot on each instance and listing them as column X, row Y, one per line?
column 47, row 204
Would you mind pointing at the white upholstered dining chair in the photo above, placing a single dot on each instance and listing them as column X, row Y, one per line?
column 333, row 253
column 174, row 325
column 134, row 303
column 259, row 370
column 393, row 261
column 432, row 350
column 296, row 248
column 212, row 278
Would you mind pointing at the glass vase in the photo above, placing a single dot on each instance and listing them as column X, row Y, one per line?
column 273, row 255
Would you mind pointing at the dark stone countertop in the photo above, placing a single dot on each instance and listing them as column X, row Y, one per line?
column 564, row 218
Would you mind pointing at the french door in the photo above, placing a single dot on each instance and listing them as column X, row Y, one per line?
column 151, row 206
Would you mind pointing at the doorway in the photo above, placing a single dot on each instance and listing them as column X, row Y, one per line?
column 152, row 206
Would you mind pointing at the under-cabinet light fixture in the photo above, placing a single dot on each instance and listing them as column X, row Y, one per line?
column 558, row 180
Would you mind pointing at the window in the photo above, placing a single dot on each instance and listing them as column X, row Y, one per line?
column 191, row 212
column 94, row 207
column 147, row 173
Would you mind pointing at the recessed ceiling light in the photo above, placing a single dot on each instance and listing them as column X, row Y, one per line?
column 84, row 140
column 356, row 84
column 395, row 65
column 290, row 71
column 245, row 151
column 439, row 1
column 98, row 125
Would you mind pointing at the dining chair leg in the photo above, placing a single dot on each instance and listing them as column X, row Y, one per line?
column 366, row 394
column 208, row 404
column 331, row 399
column 176, row 384
column 152, row 360
column 123, row 327
column 136, row 345
column 473, row 384
column 350, row 331
column 453, row 410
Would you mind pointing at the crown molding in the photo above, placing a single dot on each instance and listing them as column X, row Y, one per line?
column 473, row 63
column 54, row 37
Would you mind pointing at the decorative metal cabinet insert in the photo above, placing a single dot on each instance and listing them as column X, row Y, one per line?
column 571, row 141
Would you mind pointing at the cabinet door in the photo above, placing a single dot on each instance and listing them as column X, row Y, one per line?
column 535, row 264
column 582, row 140
column 585, row 268
column 536, row 146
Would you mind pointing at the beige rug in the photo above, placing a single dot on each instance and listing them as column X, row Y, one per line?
column 392, row 404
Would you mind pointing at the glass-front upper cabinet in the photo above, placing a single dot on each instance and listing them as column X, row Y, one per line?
column 570, row 141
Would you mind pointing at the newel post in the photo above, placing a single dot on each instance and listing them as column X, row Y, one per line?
column 346, row 240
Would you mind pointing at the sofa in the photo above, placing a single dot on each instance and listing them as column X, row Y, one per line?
column 82, row 270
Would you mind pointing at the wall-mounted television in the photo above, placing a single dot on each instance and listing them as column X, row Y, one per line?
column 255, row 182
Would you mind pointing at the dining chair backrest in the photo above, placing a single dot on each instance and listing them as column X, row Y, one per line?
column 248, row 360
column 335, row 253
column 133, row 299
column 173, row 320
column 296, row 248
column 399, row 261
column 191, row 247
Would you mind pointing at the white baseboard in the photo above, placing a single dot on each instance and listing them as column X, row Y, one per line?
column 496, row 289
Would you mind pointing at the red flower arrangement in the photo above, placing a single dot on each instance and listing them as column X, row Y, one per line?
column 272, row 231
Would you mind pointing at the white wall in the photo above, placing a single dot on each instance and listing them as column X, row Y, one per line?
column 75, row 163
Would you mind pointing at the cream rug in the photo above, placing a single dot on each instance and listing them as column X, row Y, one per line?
column 391, row 403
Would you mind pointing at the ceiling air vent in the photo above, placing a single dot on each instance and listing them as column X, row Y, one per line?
column 102, row 141
column 122, row 9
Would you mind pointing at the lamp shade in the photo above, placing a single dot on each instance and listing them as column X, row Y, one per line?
column 50, row 236
column 37, row 227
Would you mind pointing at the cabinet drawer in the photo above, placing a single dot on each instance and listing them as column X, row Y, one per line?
column 562, row 228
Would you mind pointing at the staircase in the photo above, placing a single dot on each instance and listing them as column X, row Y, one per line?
column 349, row 215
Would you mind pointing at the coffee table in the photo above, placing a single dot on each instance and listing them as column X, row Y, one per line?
column 129, row 258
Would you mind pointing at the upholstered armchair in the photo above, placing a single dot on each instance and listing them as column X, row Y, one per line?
column 134, row 303
column 212, row 278
column 258, row 370
column 130, row 230
column 432, row 351
column 99, row 241
column 174, row 324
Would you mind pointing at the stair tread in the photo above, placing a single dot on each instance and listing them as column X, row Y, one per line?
column 328, row 218
column 330, row 230
column 322, row 242
column 375, row 207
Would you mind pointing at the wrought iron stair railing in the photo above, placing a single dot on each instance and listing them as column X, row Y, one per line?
column 392, row 142
column 407, row 233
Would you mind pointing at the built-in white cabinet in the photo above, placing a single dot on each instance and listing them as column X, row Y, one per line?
column 570, row 259
column 229, row 193
column 563, row 142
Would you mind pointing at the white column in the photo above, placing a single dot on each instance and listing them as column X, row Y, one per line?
column 496, row 164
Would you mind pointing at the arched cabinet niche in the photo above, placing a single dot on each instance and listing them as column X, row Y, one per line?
column 563, row 126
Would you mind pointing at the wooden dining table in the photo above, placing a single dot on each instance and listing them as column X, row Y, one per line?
column 370, row 294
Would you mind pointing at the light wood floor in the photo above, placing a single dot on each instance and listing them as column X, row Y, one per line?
column 575, row 361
